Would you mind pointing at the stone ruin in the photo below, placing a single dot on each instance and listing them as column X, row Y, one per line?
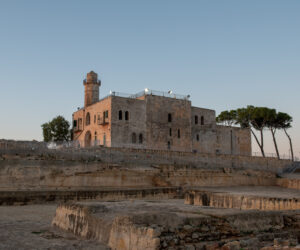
column 112, row 198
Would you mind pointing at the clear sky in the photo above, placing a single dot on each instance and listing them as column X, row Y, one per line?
column 225, row 54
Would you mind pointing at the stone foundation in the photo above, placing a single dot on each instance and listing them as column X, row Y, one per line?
column 40, row 197
column 245, row 198
column 289, row 183
column 173, row 225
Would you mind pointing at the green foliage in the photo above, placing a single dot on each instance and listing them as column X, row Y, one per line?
column 243, row 117
column 47, row 132
column 227, row 117
column 258, row 118
column 284, row 120
column 57, row 130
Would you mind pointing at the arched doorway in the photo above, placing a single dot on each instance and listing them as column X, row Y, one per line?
column 87, row 139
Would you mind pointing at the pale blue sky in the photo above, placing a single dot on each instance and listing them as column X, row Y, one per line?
column 225, row 54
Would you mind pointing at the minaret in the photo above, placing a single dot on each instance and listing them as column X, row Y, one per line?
column 91, row 88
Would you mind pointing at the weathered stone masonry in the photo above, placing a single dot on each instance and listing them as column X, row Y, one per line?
column 153, row 120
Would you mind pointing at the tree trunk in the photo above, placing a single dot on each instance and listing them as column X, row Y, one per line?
column 262, row 143
column 261, row 146
column 291, row 145
column 273, row 131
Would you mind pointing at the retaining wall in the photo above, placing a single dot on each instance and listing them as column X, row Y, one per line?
column 144, row 156
column 21, row 174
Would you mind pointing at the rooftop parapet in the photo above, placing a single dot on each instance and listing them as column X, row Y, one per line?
column 146, row 92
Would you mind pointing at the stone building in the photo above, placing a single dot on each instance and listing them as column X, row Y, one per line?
column 153, row 120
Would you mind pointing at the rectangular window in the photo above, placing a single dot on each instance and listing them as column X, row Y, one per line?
column 75, row 123
column 178, row 133
column 105, row 115
column 169, row 117
column 80, row 123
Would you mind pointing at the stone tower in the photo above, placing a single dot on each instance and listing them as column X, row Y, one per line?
column 91, row 89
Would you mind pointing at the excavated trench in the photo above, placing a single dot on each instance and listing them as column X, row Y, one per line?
column 172, row 224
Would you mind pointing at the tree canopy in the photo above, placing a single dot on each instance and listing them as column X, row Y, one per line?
column 259, row 118
column 227, row 117
column 57, row 130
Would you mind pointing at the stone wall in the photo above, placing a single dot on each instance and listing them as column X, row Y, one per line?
column 240, row 201
column 119, row 233
column 233, row 140
column 124, row 226
column 288, row 183
column 155, row 122
column 158, row 125
column 122, row 130
column 203, row 135
column 99, row 127
column 147, row 157
column 34, row 174
column 38, row 196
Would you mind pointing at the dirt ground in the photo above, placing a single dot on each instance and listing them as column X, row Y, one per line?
column 29, row 227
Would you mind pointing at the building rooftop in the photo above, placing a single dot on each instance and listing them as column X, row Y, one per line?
column 145, row 92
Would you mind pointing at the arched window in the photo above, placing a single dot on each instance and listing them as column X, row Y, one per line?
column 169, row 145
column 133, row 137
column 198, row 137
column 202, row 120
column 141, row 138
column 169, row 117
column 178, row 133
column 87, row 119
column 120, row 115
column 126, row 115
column 196, row 119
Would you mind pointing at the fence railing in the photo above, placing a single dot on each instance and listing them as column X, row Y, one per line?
column 168, row 94
column 274, row 155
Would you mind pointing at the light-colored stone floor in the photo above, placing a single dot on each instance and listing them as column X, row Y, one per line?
column 29, row 227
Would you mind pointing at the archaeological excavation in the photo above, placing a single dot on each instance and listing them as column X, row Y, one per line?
column 110, row 198
column 144, row 172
